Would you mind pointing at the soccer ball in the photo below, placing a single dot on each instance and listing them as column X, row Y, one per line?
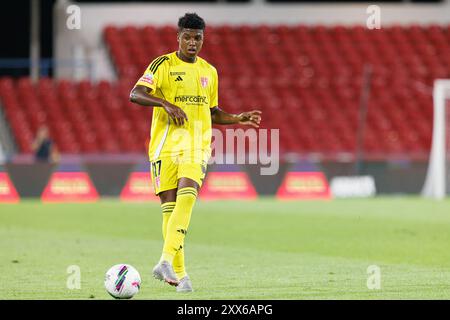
column 122, row 281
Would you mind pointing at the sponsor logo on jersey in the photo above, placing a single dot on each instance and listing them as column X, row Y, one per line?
column 204, row 81
column 177, row 73
column 179, row 78
column 147, row 78
column 191, row 99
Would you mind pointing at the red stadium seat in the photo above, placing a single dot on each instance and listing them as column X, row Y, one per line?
column 308, row 85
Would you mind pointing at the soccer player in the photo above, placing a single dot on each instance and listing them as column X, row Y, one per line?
column 182, row 88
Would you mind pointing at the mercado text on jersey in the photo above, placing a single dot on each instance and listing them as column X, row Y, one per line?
column 191, row 86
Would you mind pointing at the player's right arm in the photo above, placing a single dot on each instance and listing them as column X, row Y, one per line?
column 151, row 80
column 142, row 95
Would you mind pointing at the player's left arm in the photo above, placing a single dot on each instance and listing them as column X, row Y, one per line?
column 218, row 116
column 250, row 118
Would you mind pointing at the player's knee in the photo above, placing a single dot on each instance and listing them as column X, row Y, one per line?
column 187, row 183
column 168, row 196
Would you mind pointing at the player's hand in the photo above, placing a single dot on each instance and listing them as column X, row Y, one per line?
column 175, row 113
column 250, row 118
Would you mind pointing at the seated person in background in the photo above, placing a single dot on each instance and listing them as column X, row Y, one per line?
column 43, row 147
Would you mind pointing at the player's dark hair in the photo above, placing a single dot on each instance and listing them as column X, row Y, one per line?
column 191, row 21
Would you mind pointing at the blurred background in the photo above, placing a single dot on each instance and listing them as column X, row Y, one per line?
column 349, row 84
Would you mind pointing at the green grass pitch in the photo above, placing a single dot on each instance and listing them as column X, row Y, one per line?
column 235, row 250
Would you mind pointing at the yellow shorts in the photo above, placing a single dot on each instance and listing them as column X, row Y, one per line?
column 166, row 171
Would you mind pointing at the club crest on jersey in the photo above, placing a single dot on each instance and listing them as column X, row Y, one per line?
column 147, row 77
column 204, row 81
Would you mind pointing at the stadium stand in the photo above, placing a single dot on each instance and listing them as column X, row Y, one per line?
column 82, row 117
column 314, row 74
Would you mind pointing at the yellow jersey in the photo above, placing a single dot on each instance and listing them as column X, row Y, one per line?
column 191, row 86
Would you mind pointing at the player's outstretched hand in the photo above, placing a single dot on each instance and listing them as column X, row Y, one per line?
column 175, row 113
column 250, row 118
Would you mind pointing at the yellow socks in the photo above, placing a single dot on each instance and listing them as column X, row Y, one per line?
column 177, row 225
column 167, row 209
column 178, row 264
column 178, row 260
